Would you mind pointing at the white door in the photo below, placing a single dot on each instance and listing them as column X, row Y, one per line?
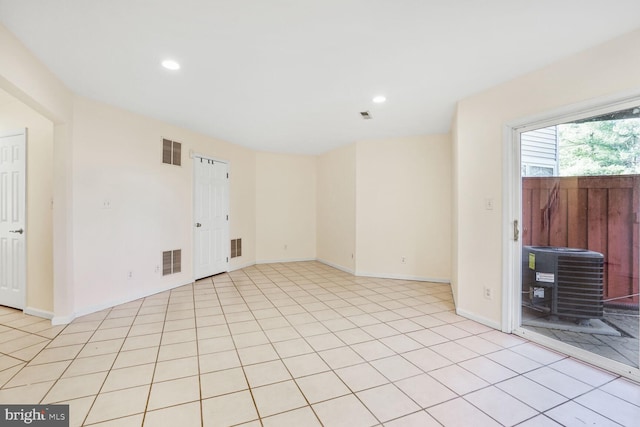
column 12, row 220
column 211, row 217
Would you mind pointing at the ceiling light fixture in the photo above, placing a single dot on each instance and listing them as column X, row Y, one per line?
column 379, row 99
column 170, row 64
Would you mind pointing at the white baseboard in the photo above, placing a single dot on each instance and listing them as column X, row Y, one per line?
column 279, row 261
column 241, row 266
column 480, row 319
column 38, row 313
column 62, row 320
column 404, row 277
column 336, row 266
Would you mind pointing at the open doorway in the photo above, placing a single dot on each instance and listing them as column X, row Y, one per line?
column 29, row 251
column 579, row 198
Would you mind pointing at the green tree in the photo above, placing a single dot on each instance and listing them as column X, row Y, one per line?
column 608, row 147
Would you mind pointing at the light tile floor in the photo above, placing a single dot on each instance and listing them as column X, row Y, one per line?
column 300, row 344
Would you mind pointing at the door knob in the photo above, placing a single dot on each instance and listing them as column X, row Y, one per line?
column 198, row 224
column 17, row 231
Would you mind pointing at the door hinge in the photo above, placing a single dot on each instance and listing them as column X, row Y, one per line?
column 227, row 259
column 227, row 217
column 227, row 175
column 516, row 231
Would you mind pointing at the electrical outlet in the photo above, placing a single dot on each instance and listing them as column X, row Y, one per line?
column 403, row 260
column 157, row 269
column 487, row 293
column 130, row 274
column 285, row 247
column 106, row 204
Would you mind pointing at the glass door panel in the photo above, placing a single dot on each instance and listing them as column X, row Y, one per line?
column 580, row 233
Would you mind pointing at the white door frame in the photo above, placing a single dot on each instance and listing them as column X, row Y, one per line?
column 22, row 304
column 512, row 210
column 194, row 156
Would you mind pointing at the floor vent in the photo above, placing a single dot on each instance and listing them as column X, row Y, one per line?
column 236, row 248
column 171, row 262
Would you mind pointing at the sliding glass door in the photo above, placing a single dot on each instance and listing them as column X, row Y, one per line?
column 579, row 235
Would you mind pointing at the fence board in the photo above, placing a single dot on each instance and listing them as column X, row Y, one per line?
column 539, row 232
column 558, row 210
column 577, row 218
column 619, row 243
column 526, row 221
column 597, row 220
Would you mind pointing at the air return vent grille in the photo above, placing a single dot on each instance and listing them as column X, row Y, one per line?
column 171, row 152
column 236, row 248
column 171, row 262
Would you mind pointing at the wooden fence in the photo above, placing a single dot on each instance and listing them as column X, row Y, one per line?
column 598, row 213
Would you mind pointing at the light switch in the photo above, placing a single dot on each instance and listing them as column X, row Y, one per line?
column 488, row 203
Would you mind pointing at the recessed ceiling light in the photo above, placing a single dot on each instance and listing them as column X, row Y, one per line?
column 170, row 64
column 379, row 99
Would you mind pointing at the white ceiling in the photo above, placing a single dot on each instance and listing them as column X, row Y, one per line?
column 293, row 75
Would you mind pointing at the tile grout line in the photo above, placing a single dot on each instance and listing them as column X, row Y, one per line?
column 114, row 360
column 195, row 317
column 224, row 314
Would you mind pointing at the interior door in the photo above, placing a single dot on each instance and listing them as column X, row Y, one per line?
column 12, row 220
column 211, row 218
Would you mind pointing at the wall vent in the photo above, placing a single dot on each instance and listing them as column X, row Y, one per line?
column 171, row 152
column 236, row 248
column 171, row 262
column 366, row 115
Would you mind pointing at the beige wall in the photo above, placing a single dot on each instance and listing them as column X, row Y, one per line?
column 15, row 115
column 606, row 70
column 380, row 201
column 336, row 211
column 285, row 207
column 26, row 78
column 23, row 76
column 117, row 157
column 403, row 208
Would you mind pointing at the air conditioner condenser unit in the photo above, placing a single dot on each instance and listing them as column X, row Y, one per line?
column 565, row 282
